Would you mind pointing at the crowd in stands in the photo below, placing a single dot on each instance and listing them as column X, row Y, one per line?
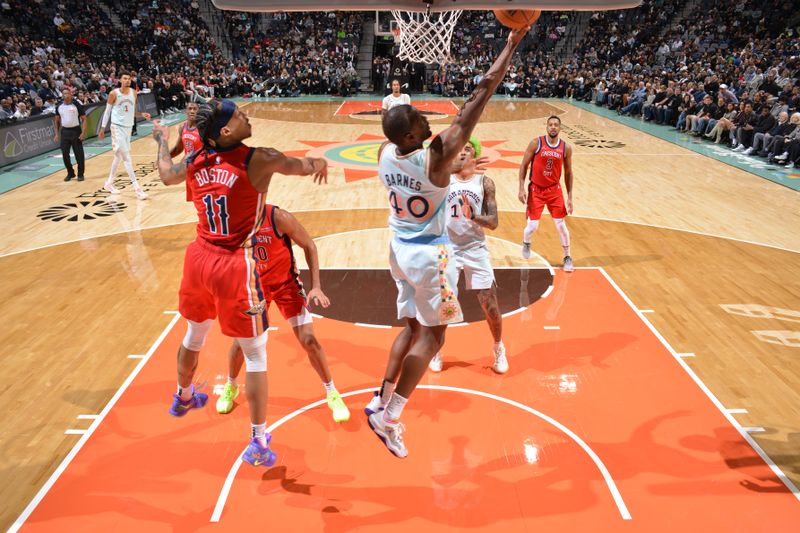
column 46, row 47
column 662, row 61
column 727, row 73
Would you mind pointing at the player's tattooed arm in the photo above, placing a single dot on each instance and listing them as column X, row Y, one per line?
column 169, row 172
column 488, row 217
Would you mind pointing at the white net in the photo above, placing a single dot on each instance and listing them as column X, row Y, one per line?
column 425, row 37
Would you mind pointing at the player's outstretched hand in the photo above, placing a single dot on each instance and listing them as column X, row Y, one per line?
column 317, row 297
column 516, row 35
column 160, row 131
column 523, row 196
column 466, row 209
column 481, row 164
column 321, row 175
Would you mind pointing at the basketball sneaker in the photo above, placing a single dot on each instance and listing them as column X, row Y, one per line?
column 375, row 405
column 258, row 455
column 225, row 402
column 500, row 362
column 436, row 363
column 141, row 195
column 340, row 411
column 181, row 407
column 526, row 250
column 109, row 186
column 568, row 264
column 390, row 434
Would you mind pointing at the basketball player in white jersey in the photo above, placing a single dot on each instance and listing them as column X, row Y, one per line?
column 471, row 206
column 121, row 110
column 396, row 98
column 421, row 257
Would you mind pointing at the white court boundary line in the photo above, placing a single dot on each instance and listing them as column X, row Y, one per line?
column 157, row 226
column 677, row 357
column 612, row 486
column 88, row 432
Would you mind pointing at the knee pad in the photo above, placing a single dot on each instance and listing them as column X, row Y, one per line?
column 196, row 334
column 124, row 155
column 255, row 352
column 531, row 227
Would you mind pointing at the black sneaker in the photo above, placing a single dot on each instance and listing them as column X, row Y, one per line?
column 69, row 177
column 80, row 178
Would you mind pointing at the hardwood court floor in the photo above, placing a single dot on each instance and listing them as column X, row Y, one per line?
column 666, row 224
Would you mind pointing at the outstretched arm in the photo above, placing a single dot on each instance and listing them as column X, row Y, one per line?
column 447, row 145
column 488, row 217
column 287, row 224
column 177, row 149
column 169, row 172
column 267, row 161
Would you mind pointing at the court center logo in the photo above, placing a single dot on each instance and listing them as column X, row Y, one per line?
column 587, row 137
column 82, row 210
column 12, row 147
column 359, row 159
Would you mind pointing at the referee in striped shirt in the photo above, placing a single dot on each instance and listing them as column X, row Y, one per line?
column 71, row 127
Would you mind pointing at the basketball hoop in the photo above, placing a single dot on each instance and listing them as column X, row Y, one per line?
column 424, row 36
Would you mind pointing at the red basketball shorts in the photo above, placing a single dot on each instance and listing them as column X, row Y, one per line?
column 222, row 283
column 290, row 297
column 552, row 197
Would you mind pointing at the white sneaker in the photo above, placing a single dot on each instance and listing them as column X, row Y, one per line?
column 109, row 186
column 568, row 267
column 526, row 250
column 500, row 362
column 739, row 148
column 748, row 151
column 390, row 434
column 783, row 157
column 436, row 363
column 375, row 405
column 141, row 195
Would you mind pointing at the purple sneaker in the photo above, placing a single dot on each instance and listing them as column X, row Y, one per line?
column 258, row 455
column 180, row 407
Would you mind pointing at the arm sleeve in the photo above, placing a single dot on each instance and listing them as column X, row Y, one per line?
column 106, row 116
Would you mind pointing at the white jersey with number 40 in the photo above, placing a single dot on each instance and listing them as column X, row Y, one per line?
column 417, row 207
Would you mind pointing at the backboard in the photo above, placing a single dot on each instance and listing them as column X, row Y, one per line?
column 422, row 5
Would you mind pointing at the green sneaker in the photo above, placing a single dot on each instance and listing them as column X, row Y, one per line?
column 336, row 404
column 225, row 402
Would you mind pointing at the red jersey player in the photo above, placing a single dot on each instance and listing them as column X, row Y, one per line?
column 546, row 156
column 280, row 283
column 188, row 138
column 228, row 182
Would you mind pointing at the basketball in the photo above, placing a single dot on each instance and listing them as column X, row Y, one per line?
column 517, row 18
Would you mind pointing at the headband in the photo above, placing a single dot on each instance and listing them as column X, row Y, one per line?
column 476, row 146
column 224, row 116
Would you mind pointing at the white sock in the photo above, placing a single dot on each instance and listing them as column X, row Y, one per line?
column 185, row 393
column 114, row 166
column 387, row 388
column 530, row 229
column 258, row 431
column 329, row 387
column 563, row 234
column 394, row 409
column 498, row 344
column 231, row 380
